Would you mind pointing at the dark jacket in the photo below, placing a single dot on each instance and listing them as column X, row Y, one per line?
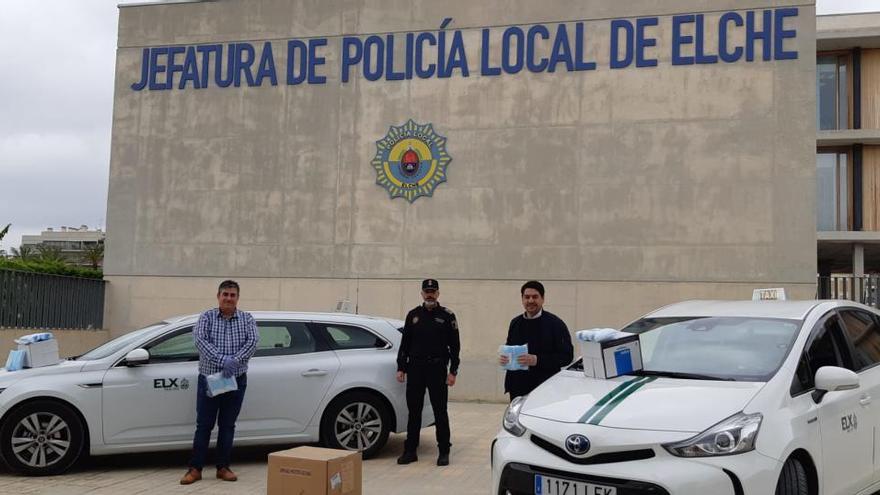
column 430, row 336
column 548, row 338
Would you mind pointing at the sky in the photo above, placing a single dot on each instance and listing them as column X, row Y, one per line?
column 56, row 109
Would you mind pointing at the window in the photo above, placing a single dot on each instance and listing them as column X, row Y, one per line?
column 864, row 333
column 285, row 338
column 118, row 343
column 826, row 347
column 348, row 337
column 743, row 349
column 832, row 92
column 177, row 347
column 832, row 190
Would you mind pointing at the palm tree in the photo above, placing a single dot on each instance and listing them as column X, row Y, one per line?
column 5, row 231
column 50, row 254
column 24, row 253
column 94, row 254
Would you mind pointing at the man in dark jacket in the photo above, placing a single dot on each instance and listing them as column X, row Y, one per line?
column 547, row 336
column 429, row 344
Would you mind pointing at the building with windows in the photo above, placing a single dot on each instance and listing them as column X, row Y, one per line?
column 627, row 154
column 73, row 242
column 848, row 143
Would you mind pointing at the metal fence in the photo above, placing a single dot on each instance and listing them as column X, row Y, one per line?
column 865, row 289
column 38, row 300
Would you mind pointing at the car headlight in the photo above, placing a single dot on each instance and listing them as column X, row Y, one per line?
column 511, row 417
column 734, row 435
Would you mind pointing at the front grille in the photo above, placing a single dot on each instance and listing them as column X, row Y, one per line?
column 519, row 479
column 606, row 458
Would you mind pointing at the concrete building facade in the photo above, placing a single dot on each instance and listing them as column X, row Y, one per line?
column 669, row 155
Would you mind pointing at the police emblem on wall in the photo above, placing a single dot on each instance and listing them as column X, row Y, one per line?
column 411, row 161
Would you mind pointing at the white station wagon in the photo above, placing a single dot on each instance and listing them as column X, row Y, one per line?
column 315, row 377
column 735, row 398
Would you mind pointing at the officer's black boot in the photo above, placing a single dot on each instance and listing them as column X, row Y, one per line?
column 443, row 458
column 407, row 457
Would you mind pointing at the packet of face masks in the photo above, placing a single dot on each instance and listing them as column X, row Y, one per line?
column 512, row 352
column 15, row 360
column 218, row 384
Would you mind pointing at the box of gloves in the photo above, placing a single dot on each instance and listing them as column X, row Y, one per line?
column 608, row 353
column 40, row 349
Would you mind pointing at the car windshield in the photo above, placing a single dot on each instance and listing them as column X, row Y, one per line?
column 723, row 348
column 118, row 343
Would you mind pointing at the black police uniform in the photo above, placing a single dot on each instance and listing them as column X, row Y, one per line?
column 430, row 343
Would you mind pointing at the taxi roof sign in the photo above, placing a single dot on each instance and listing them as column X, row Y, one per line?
column 776, row 294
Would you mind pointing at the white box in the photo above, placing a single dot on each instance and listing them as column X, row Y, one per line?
column 43, row 353
column 612, row 358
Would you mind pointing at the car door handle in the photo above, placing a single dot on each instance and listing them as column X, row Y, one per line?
column 314, row 372
column 865, row 400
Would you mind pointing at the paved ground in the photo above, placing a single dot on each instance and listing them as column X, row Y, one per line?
column 473, row 427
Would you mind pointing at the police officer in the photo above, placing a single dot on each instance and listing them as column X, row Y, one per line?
column 430, row 344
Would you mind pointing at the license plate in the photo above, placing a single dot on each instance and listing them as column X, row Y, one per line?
column 546, row 485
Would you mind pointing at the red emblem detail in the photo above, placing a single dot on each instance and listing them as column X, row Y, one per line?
column 409, row 163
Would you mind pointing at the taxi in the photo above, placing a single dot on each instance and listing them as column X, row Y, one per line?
column 735, row 397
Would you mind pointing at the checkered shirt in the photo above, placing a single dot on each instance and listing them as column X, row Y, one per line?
column 217, row 337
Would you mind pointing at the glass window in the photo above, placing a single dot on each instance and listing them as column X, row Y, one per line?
column 118, row 343
column 832, row 93
column 826, row 347
column 179, row 346
column 744, row 349
column 285, row 338
column 832, row 191
column 864, row 333
column 348, row 337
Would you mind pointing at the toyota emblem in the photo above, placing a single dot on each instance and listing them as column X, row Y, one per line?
column 577, row 444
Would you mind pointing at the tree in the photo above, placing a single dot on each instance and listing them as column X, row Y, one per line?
column 94, row 255
column 5, row 231
column 24, row 253
column 50, row 254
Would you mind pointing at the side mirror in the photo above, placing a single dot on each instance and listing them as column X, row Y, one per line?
column 136, row 357
column 834, row 379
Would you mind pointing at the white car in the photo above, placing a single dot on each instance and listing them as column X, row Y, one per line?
column 314, row 377
column 735, row 398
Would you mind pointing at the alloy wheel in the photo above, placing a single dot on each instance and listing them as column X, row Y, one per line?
column 40, row 439
column 358, row 426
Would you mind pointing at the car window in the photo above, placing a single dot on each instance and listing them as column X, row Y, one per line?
column 119, row 343
column 351, row 337
column 176, row 347
column 284, row 338
column 864, row 333
column 736, row 348
column 826, row 347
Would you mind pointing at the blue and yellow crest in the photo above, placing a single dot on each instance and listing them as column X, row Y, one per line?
column 411, row 160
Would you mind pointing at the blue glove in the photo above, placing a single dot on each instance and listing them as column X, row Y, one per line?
column 229, row 365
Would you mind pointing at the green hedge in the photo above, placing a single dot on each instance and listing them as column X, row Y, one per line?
column 50, row 267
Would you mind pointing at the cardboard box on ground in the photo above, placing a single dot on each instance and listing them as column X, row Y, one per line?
column 314, row 471
column 612, row 358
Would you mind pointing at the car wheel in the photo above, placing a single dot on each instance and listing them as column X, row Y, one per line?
column 793, row 479
column 41, row 438
column 356, row 421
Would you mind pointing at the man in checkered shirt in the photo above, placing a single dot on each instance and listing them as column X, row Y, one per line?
column 226, row 338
